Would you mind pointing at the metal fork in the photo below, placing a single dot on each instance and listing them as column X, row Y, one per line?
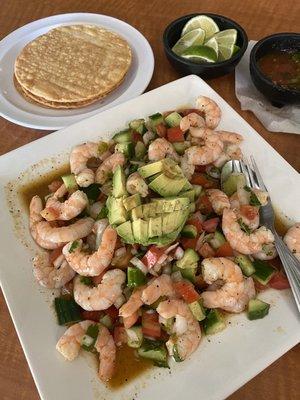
column 267, row 217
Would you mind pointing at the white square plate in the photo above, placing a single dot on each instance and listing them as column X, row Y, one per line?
column 218, row 367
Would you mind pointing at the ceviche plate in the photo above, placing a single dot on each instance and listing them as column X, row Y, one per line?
column 224, row 361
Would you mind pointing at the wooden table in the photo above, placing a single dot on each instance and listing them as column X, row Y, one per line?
column 259, row 18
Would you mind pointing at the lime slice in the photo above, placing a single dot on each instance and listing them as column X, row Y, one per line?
column 201, row 21
column 236, row 49
column 226, row 42
column 212, row 42
column 194, row 37
column 200, row 54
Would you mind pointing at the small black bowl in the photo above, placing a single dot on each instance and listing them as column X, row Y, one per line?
column 205, row 70
column 276, row 94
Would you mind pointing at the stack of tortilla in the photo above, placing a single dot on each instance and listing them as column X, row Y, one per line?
column 72, row 66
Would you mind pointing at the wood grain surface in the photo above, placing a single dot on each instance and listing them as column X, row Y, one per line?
column 259, row 18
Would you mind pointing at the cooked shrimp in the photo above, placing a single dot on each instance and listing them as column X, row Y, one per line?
column 133, row 304
column 192, row 119
column 136, row 184
column 186, row 332
column 57, row 210
column 102, row 296
column 161, row 286
column 233, row 152
column 234, row 201
column 218, row 199
column 211, row 110
column 160, row 148
column 206, row 154
column 106, row 348
column 221, row 160
column 95, row 263
column 108, row 166
column 241, row 241
column 236, row 291
column 52, row 275
column 130, row 320
column 249, row 216
column 292, row 240
column 230, row 137
column 187, row 168
column 268, row 252
column 70, row 343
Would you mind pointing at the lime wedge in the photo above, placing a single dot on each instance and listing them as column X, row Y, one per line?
column 236, row 49
column 194, row 37
column 200, row 54
column 201, row 21
column 226, row 42
column 212, row 42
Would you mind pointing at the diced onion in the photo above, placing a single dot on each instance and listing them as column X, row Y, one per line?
column 139, row 264
column 87, row 340
column 179, row 253
column 167, row 269
column 180, row 325
column 120, row 252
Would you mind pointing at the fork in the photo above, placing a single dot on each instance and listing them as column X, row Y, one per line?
column 267, row 217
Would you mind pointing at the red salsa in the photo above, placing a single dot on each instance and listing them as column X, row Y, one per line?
column 282, row 67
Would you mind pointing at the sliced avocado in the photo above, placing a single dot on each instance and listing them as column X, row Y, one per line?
column 170, row 204
column 149, row 210
column 140, row 230
column 170, row 222
column 166, row 186
column 198, row 190
column 137, row 213
column 117, row 213
column 230, row 185
column 214, row 322
column 187, row 186
column 155, row 227
column 119, row 183
column 173, row 119
column 125, row 232
column 151, row 169
column 257, row 309
column 189, row 259
column 132, row 201
column 190, row 194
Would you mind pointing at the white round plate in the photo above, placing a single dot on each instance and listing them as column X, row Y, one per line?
column 16, row 109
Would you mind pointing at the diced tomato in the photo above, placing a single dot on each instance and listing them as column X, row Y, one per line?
column 196, row 223
column 152, row 256
column 120, row 335
column 249, row 212
column 131, row 320
column 188, row 111
column 113, row 313
column 201, row 168
column 186, row 290
column 279, row 282
column 204, row 205
column 204, row 181
column 188, row 243
column 91, row 315
column 98, row 279
column 224, row 251
column 150, row 325
column 175, row 135
column 136, row 137
column 206, row 250
column 54, row 254
column 210, row 225
column 161, row 130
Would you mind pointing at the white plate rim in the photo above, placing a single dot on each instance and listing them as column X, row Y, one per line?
column 10, row 112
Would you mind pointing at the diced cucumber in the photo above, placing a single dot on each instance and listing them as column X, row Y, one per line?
column 198, row 190
column 119, row 183
column 214, row 322
column 180, row 147
column 173, row 119
column 70, row 182
column 154, row 350
column 217, row 240
column 198, row 310
column 67, row 310
column 189, row 259
column 167, row 324
column 263, row 271
column 189, row 231
column 135, row 337
column 106, row 321
column 230, row 185
column 138, row 125
column 89, row 339
column 245, row 264
column 257, row 309
column 140, row 150
column 123, row 136
column 155, row 119
column 126, row 148
column 189, row 273
column 92, row 191
column 135, row 277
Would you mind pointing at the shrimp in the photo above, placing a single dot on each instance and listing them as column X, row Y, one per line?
column 241, row 241
column 73, row 206
column 192, row 119
column 160, row 148
column 236, row 291
column 233, row 152
column 249, row 216
column 186, row 333
column 206, row 154
column 92, row 264
column 70, row 343
column 211, row 110
column 292, row 240
column 106, row 348
column 108, row 166
column 101, row 296
column 133, row 304
column 234, row 201
column 52, row 275
column 136, row 184
column 268, row 252
column 187, row 168
column 230, row 137
column 218, row 199
column 161, row 286
column 130, row 320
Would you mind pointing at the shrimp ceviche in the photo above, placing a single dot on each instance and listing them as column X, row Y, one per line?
column 146, row 246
